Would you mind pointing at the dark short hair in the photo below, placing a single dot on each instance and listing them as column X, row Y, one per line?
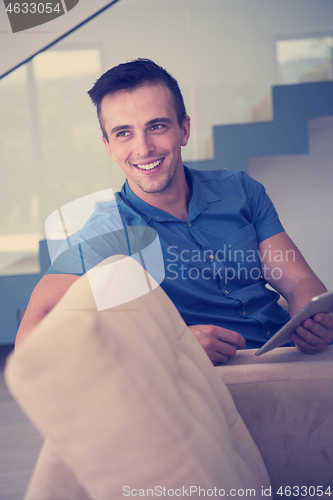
column 131, row 75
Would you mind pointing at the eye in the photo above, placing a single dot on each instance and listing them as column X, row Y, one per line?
column 123, row 133
column 157, row 126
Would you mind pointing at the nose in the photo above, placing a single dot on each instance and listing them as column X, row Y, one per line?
column 144, row 145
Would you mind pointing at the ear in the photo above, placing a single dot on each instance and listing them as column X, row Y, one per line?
column 107, row 145
column 185, row 128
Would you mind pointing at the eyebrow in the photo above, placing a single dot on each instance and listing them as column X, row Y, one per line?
column 119, row 128
column 158, row 120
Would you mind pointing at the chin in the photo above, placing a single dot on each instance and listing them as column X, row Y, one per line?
column 155, row 187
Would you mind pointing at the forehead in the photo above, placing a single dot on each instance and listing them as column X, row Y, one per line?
column 137, row 106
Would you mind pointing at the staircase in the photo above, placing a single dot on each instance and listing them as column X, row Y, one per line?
column 287, row 134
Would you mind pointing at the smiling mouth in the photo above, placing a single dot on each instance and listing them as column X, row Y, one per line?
column 149, row 166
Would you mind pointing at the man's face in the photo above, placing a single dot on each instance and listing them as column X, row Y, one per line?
column 145, row 138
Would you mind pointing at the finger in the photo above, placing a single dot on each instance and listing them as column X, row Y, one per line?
column 323, row 333
column 311, row 337
column 316, row 329
column 302, row 345
column 324, row 319
column 226, row 349
column 308, row 341
column 220, row 351
column 231, row 337
column 219, row 359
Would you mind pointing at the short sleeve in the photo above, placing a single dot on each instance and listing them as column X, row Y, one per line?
column 102, row 236
column 265, row 218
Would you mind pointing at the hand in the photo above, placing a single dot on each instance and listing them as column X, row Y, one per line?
column 314, row 334
column 218, row 343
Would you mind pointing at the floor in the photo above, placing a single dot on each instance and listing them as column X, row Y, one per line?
column 19, row 442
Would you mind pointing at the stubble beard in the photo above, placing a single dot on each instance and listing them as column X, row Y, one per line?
column 160, row 185
column 155, row 187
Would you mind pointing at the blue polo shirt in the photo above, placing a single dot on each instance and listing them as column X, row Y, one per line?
column 212, row 265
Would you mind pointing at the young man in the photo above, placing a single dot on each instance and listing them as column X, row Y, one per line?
column 220, row 235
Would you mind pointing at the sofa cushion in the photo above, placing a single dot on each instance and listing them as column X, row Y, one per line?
column 284, row 398
column 128, row 399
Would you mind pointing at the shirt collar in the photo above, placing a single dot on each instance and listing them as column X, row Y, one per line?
column 201, row 197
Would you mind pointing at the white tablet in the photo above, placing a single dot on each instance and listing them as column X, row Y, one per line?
column 322, row 303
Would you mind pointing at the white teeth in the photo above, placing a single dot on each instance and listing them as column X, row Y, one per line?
column 149, row 166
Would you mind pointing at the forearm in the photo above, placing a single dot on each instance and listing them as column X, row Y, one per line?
column 45, row 296
column 302, row 291
column 296, row 282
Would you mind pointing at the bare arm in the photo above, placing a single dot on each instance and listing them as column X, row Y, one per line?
column 284, row 267
column 293, row 278
column 45, row 296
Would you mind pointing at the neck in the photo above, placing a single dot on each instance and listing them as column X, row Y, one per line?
column 174, row 203
column 174, row 200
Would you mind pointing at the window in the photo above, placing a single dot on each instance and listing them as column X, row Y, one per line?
column 305, row 60
column 48, row 142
